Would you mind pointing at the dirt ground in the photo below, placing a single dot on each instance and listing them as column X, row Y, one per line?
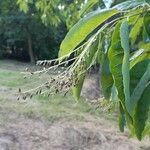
column 21, row 132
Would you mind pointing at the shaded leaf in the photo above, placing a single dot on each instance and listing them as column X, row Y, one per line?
column 140, row 87
column 141, row 112
column 147, row 23
column 116, row 54
column 106, row 78
column 148, row 1
column 122, row 120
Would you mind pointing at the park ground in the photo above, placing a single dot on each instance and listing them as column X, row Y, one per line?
column 57, row 122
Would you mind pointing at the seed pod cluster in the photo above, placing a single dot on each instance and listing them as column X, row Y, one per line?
column 63, row 76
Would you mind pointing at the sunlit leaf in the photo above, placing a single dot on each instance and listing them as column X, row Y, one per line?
column 124, row 35
column 83, row 28
column 136, row 30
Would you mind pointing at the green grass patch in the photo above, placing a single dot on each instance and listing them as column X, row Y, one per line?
column 14, row 79
column 53, row 107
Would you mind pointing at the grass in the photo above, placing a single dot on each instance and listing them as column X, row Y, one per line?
column 14, row 79
column 53, row 108
column 11, row 79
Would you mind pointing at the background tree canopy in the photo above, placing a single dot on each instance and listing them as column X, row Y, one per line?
column 32, row 30
column 25, row 37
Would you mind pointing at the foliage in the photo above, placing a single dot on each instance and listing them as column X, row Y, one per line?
column 121, row 22
column 49, row 9
column 119, row 38
column 17, row 28
column 53, row 12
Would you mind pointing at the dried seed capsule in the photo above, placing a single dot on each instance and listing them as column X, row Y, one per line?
column 66, row 93
column 40, row 91
column 19, row 90
column 56, row 91
column 37, row 92
column 24, row 97
column 31, row 96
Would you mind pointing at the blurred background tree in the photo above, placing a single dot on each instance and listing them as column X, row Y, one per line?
column 25, row 37
column 33, row 29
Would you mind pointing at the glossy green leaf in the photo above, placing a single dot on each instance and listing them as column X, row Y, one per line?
column 136, row 73
column 141, row 112
column 136, row 30
column 139, row 56
column 83, row 28
column 147, row 23
column 139, row 89
column 115, row 55
column 124, row 35
column 89, row 56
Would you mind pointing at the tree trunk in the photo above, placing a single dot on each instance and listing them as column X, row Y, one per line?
column 30, row 49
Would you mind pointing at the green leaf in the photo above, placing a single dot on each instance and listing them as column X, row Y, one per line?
column 136, row 73
column 146, row 130
column 140, row 55
column 122, row 120
column 23, row 4
column 145, row 35
column 81, row 72
column 116, row 54
column 147, row 1
column 100, row 48
column 114, row 94
column 136, row 30
column 140, row 108
column 106, row 78
column 77, row 88
column 147, row 23
column 83, row 28
column 139, row 89
column 141, row 112
column 124, row 35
